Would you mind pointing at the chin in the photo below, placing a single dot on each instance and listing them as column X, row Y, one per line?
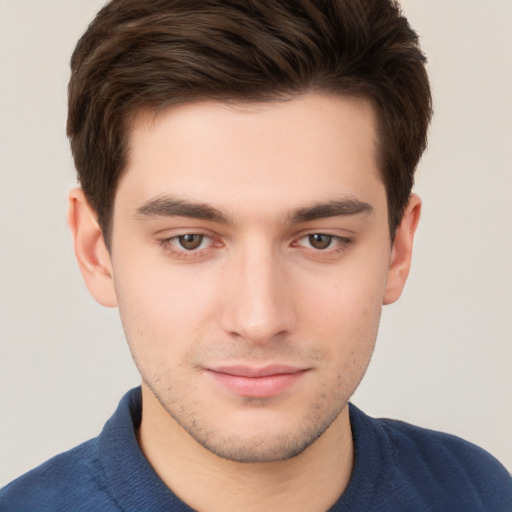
column 259, row 439
column 261, row 449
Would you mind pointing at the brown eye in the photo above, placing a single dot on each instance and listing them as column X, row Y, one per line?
column 190, row 242
column 320, row 241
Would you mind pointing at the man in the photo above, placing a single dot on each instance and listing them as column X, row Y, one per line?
column 245, row 200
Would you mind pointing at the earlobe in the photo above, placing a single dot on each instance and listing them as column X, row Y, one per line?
column 401, row 253
column 90, row 250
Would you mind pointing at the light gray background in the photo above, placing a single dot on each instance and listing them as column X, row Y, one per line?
column 444, row 354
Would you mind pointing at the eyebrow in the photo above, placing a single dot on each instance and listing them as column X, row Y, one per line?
column 169, row 206
column 337, row 208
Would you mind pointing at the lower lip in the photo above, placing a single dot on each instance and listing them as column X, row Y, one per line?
column 257, row 387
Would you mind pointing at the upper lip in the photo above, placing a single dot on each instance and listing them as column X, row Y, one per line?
column 252, row 371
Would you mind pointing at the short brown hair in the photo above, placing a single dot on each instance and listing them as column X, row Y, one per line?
column 151, row 54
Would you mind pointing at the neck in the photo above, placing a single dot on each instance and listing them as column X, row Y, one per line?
column 310, row 481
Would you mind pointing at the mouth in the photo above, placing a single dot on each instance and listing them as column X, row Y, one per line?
column 257, row 382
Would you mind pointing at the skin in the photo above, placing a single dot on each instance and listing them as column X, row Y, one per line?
column 252, row 237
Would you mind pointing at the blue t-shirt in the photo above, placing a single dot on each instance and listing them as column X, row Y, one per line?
column 397, row 467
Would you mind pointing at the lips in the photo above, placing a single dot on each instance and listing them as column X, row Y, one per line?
column 264, row 382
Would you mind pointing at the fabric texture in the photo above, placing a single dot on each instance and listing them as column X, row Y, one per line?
column 398, row 467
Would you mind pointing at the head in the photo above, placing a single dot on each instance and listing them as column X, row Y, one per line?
column 246, row 172
column 151, row 55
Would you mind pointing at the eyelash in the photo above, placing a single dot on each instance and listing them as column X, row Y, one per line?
column 170, row 245
column 337, row 244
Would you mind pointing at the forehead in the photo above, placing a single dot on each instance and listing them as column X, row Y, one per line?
column 280, row 153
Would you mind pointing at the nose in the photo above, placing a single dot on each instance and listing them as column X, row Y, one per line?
column 258, row 305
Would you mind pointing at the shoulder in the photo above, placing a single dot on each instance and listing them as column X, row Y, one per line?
column 443, row 466
column 434, row 469
column 447, row 453
column 69, row 481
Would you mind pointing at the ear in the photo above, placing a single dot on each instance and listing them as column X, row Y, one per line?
column 90, row 250
column 401, row 252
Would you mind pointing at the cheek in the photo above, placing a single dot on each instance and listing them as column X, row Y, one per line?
column 342, row 312
column 163, row 313
column 347, row 297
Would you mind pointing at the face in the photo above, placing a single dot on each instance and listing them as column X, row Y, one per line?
column 250, row 255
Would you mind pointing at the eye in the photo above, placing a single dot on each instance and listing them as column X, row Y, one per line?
column 320, row 241
column 324, row 243
column 190, row 242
